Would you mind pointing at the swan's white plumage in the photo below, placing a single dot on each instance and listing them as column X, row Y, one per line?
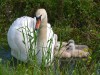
column 51, row 36
column 15, row 38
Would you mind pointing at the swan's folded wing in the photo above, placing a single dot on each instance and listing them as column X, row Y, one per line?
column 18, row 38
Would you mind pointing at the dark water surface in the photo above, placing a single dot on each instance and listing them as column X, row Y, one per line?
column 5, row 57
column 5, row 54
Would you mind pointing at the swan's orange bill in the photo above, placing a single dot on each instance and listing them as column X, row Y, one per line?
column 38, row 24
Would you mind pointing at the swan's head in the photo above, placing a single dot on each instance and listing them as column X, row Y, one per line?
column 71, row 45
column 41, row 15
column 70, row 41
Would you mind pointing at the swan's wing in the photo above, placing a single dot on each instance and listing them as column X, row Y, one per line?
column 18, row 38
column 24, row 21
column 51, row 37
column 51, row 40
column 48, row 25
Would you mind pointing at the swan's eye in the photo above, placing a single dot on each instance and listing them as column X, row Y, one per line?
column 38, row 18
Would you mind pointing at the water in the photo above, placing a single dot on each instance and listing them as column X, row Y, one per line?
column 5, row 55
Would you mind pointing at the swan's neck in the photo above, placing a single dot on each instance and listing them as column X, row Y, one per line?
column 73, row 46
column 44, row 22
column 42, row 34
column 42, row 41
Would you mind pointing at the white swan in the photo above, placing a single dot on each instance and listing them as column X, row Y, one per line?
column 15, row 37
column 45, row 38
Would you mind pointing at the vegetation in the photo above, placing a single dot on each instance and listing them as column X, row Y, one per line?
column 70, row 19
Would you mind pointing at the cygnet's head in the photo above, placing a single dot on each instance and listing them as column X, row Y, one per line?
column 70, row 41
column 70, row 45
column 41, row 15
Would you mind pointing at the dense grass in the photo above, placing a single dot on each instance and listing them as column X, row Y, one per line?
column 76, row 67
column 70, row 19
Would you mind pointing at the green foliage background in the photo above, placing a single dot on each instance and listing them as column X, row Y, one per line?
column 70, row 19
column 75, row 19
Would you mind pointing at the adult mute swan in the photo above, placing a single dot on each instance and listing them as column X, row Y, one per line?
column 45, row 38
